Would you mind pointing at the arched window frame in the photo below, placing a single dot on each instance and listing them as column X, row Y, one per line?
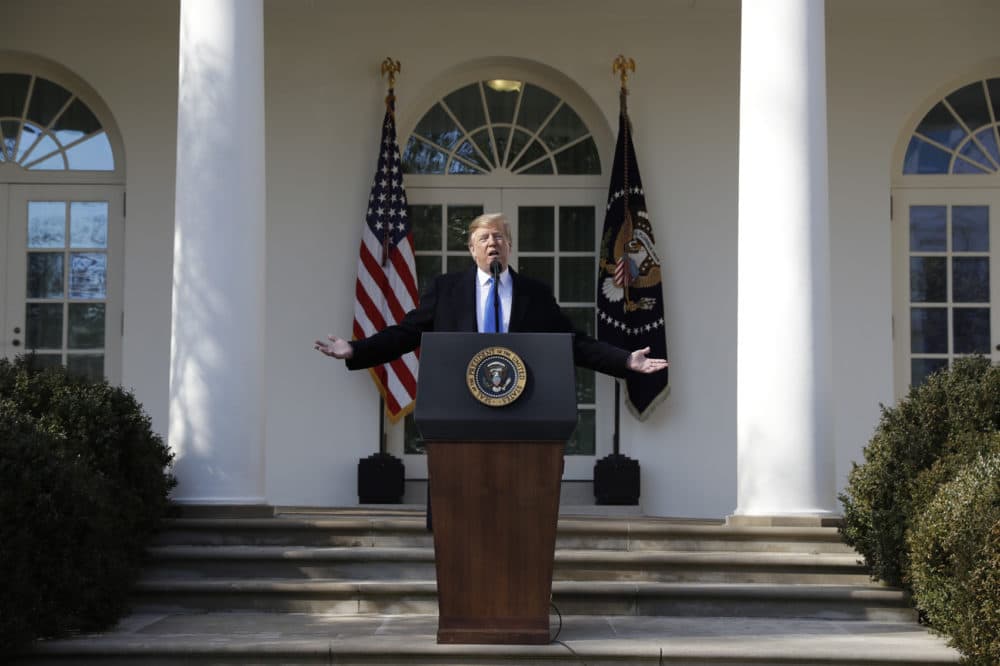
column 410, row 110
column 22, row 63
column 985, row 71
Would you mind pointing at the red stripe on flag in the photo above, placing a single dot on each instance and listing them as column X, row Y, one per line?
column 380, row 319
column 396, row 312
column 381, row 376
column 622, row 274
column 391, row 404
column 405, row 377
column 404, row 271
column 374, row 314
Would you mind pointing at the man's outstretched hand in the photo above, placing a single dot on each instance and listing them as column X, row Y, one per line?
column 638, row 361
column 336, row 347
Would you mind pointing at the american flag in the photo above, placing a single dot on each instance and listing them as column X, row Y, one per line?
column 387, row 277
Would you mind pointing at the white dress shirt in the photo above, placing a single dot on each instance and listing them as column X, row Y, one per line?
column 483, row 295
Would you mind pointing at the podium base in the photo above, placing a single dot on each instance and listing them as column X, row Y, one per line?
column 514, row 633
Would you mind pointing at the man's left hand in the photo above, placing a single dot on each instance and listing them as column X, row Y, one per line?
column 638, row 361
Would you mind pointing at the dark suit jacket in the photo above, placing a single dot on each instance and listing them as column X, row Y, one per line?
column 449, row 304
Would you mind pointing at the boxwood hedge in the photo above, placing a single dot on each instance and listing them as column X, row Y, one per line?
column 84, row 483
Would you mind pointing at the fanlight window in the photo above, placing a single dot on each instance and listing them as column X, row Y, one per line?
column 44, row 127
column 959, row 135
column 511, row 126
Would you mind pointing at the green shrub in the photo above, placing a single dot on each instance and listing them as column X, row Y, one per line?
column 985, row 580
column 899, row 475
column 955, row 559
column 48, row 498
column 84, row 483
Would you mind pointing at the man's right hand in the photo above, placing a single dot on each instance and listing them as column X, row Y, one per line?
column 336, row 347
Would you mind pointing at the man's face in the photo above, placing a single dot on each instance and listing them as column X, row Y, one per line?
column 489, row 243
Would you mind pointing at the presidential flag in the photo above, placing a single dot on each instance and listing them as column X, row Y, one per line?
column 629, row 274
column 387, row 277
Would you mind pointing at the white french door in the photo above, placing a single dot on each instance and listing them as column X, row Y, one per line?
column 946, row 279
column 556, row 236
column 62, row 274
column 440, row 218
column 555, row 239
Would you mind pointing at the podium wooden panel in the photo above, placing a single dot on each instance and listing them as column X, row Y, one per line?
column 496, row 504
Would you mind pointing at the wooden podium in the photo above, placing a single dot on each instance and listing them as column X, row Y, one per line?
column 495, row 475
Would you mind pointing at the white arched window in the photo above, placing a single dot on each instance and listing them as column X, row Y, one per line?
column 45, row 127
column 959, row 134
column 61, row 219
column 525, row 141
column 500, row 124
column 946, row 226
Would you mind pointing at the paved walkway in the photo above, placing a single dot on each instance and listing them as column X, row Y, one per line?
column 592, row 640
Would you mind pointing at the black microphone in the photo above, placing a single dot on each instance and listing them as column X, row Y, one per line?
column 496, row 268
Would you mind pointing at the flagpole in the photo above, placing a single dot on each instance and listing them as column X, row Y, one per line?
column 621, row 66
column 617, row 477
column 390, row 68
column 382, row 476
column 381, row 425
column 618, row 412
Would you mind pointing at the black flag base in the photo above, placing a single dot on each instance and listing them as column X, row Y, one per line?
column 380, row 479
column 616, row 480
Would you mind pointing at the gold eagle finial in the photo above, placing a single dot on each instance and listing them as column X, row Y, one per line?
column 622, row 66
column 391, row 67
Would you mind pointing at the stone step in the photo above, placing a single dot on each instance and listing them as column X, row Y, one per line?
column 614, row 598
column 298, row 639
column 573, row 533
column 356, row 586
column 383, row 563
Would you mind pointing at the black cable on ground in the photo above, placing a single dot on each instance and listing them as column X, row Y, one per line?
column 559, row 628
column 555, row 639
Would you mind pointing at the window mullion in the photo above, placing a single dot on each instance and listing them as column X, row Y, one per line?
column 466, row 136
column 532, row 137
column 538, row 160
column 24, row 118
column 29, row 149
column 58, row 115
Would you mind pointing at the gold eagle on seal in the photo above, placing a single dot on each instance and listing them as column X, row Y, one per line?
column 636, row 263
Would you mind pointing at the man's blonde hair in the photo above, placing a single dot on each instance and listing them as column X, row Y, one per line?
column 489, row 220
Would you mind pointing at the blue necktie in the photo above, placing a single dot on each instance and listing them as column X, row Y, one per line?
column 490, row 322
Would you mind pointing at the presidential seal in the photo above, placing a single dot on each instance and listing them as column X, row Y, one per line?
column 496, row 376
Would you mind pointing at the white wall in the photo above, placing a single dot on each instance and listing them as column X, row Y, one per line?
column 323, row 417
column 324, row 106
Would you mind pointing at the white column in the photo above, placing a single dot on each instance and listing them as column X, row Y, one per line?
column 785, row 457
column 217, row 332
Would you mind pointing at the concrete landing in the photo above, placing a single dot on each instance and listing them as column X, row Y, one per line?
column 298, row 638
